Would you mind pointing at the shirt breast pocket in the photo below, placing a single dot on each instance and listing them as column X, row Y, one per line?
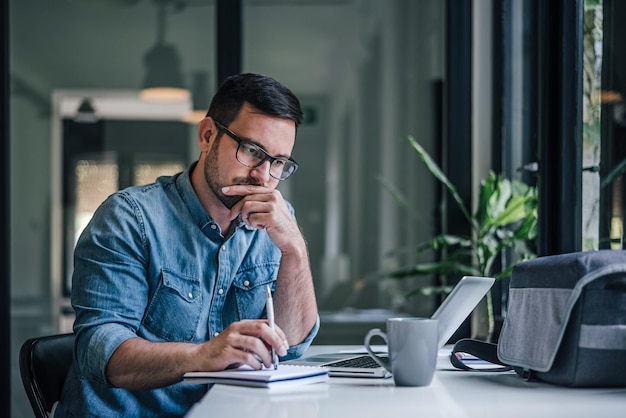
column 175, row 308
column 250, row 291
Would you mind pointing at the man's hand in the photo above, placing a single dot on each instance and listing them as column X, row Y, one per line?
column 244, row 342
column 294, row 296
column 139, row 364
column 265, row 208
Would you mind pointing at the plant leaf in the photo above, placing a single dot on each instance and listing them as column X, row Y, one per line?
column 398, row 196
column 487, row 188
column 436, row 171
column 499, row 198
column 528, row 229
column 447, row 240
column 514, row 210
column 617, row 171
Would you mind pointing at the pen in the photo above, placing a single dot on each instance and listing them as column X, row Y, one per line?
column 269, row 307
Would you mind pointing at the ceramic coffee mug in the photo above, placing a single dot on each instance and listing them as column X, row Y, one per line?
column 412, row 345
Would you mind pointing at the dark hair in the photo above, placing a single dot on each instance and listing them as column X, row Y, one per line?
column 262, row 92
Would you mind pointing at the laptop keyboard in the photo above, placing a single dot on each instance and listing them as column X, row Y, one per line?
column 362, row 362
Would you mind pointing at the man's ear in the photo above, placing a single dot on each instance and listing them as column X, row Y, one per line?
column 207, row 131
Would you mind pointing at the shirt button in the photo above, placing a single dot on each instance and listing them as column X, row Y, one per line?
column 215, row 334
column 213, row 227
column 246, row 283
column 223, row 248
column 190, row 295
column 220, row 291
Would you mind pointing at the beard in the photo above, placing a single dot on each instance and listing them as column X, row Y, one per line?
column 215, row 182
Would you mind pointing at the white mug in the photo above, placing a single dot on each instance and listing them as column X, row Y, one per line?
column 412, row 345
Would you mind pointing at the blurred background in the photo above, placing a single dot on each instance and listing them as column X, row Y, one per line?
column 482, row 85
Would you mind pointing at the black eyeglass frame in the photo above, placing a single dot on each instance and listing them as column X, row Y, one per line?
column 268, row 157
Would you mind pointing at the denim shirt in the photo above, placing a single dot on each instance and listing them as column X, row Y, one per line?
column 153, row 264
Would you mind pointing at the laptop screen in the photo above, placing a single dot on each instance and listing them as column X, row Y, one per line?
column 457, row 306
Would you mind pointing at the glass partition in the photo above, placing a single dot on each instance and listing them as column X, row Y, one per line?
column 60, row 53
column 604, row 121
column 369, row 74
column 366, row 201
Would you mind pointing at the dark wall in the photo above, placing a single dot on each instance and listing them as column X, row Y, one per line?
column 5, row 390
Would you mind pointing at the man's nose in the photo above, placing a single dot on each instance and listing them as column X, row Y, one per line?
column 262, row 172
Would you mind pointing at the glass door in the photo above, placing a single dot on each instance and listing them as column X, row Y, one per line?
column 98, row 155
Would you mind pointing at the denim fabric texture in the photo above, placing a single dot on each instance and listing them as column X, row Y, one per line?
column 153, row 264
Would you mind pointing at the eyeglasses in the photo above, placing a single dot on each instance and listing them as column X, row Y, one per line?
column 252, row 155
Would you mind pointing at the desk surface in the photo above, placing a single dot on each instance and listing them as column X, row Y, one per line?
column 453, row 393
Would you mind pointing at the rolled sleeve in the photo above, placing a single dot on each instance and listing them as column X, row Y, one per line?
column 95, row 348
column 296, row 351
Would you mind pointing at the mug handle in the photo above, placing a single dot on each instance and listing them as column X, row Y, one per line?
column 372, row 333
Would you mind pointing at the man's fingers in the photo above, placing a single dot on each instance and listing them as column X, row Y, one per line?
column 256, row 352
column 280, row 343
column 245, row 189
column 247, row 210
column 259, row 193
column 255, row 334
column 236, row 348
column 275, row 338
column 244, row 342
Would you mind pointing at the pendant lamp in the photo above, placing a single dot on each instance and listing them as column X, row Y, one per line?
column 163, row 81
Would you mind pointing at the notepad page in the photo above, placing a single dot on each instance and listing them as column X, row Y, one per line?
column 246, row 375
column 264, row 374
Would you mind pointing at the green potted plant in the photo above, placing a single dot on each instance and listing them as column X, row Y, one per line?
column 505, row 217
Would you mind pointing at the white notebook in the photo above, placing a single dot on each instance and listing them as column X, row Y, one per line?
column 284, row 376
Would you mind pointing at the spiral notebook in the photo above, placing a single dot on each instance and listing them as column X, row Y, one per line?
column 284, row 376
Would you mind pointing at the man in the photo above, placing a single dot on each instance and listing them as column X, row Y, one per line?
column 171, row 277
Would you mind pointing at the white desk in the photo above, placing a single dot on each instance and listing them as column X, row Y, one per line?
column 453, row 393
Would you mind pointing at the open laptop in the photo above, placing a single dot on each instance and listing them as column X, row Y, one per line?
column 451, row 313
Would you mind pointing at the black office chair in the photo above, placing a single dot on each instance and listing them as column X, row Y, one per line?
column 44, row 364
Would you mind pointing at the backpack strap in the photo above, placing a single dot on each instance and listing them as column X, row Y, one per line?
column 480, row 350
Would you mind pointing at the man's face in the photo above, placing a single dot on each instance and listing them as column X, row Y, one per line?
column 215, row 180
column 221, row 168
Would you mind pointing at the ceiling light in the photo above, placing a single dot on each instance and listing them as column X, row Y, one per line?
column 85, row 112
column 164, row 78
